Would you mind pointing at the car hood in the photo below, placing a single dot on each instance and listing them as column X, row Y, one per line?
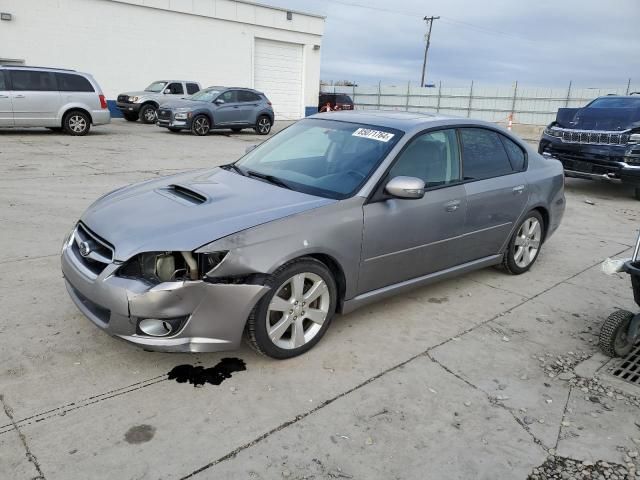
column 609, row 119
column 139, row 93
column 186, row 211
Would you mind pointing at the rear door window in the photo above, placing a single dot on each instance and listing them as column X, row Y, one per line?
column 69, row 82
column 483, row 155
column 245, row 96
column 175, row 88
column 33, row 80
column 192, row 88
column 515, row 152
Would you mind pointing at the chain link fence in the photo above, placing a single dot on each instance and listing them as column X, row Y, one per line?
column 536, row 106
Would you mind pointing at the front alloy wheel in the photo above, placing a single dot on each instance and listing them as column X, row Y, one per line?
column 148, row 114
column 524, row 245
column 200, row 125
column 263, row 125
column 295, row 314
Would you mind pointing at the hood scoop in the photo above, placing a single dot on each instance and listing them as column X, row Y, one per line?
column 183, row 194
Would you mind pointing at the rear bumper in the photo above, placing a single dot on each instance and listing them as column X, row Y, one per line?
column 213, row 315
column 101, row 117
column 613, row 163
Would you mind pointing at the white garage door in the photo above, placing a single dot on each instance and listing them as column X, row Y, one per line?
column 277, row 71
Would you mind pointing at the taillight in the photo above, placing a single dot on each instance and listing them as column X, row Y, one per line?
column 103, row 102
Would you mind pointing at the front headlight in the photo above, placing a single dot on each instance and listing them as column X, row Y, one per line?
column 159, row 267
column 133, row 99
column 634, row 138
column 182, row 116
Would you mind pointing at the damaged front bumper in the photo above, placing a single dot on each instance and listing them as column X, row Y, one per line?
column 209, row 317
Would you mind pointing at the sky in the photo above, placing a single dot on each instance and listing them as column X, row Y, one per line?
column 492, row 42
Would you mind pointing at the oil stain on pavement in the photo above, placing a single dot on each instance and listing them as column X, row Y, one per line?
column 198, row 376
column 140, row 434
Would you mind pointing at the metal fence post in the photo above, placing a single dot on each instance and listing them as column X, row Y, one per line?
column 566, row 102
column 408, row 93
column 470, row 99
column 513, row 101
column 628, row 86
column 439, row 96
column 353, row 96
column 379, row 105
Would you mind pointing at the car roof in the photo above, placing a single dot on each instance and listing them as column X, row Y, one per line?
column 179, row 81
column 32, row 67
column 222, row 89
column 405, row 121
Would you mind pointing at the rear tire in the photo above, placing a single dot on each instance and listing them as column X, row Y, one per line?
column 130, row 116
column 296, row 312
column 147, row 114
column 263, row 125
column 613, row 340
column 76, row 123
column 524, row 245
column 200, row 125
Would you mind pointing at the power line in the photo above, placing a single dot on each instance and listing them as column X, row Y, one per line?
column 429, row 20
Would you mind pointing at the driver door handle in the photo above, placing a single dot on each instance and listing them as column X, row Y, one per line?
column 452, row 206
column 18, row 96
column 518, row 190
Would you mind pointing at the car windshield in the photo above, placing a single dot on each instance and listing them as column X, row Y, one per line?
column 327, row 158
column 155, row 87
column 615, row 102
column 205, row 95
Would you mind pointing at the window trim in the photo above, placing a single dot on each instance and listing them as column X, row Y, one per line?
column 379, row 195
column 482, row 127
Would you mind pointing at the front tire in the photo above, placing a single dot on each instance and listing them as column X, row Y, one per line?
column 263, row 125
column 130, row 116
column 524, row 245
column 200, row 125
column 613, row 340
column 76, row 123
column 297, row 311
column 148, row 114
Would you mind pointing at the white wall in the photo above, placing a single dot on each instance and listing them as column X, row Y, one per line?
column 126, row 44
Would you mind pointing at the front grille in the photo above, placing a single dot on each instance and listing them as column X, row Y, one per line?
column 578, row 164
column 589, row 136
column 94, row 252
column 100, row 313
column 164, row 114
column 123, row 98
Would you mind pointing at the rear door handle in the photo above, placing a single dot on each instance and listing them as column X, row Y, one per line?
column 518, row 190
column 18, row 96
column 452, row 206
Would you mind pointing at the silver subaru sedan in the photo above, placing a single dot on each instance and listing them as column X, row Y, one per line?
column 338, row 210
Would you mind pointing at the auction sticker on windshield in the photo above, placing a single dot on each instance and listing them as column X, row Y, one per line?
column 373, row 134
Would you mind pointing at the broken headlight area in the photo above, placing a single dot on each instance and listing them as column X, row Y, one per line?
column 158, row 267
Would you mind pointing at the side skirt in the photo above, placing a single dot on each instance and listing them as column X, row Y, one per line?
column 391, row 290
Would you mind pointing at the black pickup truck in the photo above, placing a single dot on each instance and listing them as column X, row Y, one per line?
column 600, row 141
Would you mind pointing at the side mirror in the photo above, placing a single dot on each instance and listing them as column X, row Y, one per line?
column 219, row 101
column 167, row 91
column 249, row 148
column 405, row 187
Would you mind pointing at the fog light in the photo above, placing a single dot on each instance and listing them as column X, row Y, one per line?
column 155, row 328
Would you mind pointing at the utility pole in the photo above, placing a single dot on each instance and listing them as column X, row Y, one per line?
column 426, row 48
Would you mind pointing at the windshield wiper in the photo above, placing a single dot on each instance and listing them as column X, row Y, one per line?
column 233, row 166
column 269, row 178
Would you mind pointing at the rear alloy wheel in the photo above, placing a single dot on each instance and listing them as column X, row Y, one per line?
column 76, row 123
column 200, row 125
column 525, row 244
column 148, row 114
column 263, row 125
column 295, row 314
column 130, row 116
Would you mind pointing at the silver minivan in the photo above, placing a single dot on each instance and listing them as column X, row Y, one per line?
column 61, row 100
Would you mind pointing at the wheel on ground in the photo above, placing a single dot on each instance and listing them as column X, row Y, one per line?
column 296, row 312
column 200, row 125
column 263, row 125
column 636, row 193
column 76, row 123
column 613, row 339
column 147, row 114
column 524, row 245
column 236, row 130
column 174, row 130
column 130, row 116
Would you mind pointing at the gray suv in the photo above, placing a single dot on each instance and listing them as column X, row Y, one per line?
column 61, row 100
column 143, row 104
column 218, row 107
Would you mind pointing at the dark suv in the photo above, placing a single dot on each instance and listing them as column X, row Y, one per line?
column 334, row 101
column 599, row 141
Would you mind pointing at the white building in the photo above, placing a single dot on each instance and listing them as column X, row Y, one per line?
column 126, row 44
